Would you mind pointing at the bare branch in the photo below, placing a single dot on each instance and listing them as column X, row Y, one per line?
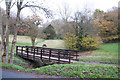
column 12, row 4
column 39, row 7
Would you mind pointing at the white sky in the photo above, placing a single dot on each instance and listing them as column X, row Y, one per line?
column 74, row 5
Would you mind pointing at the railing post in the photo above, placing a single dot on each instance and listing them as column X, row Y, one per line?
column 37, row 51
column 22, row 51
column 76, row 55
column 16, row 50
column 58, row 56
column 34, row 53
column 49, row 55
column 27, row 52
column 69, row 56
column 41, row 53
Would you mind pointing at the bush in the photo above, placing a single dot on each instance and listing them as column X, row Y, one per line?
column 71, row 41
column 90, row 43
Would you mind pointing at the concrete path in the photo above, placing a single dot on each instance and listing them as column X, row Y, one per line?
column 8, row 74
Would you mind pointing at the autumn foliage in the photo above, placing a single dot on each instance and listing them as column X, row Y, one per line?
column 87, row 43
column 90, row 42
column 107, row 24
column 71, row 41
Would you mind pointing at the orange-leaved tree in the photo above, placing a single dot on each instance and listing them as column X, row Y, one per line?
column 107, row 24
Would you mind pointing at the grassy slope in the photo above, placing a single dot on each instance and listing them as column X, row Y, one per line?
column 108, row 53
column 81, row 70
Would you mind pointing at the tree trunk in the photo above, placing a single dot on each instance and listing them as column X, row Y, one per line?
column 15, row 37
column 13, row 47
column 33, row 42
column 16, row 27
column 2, row 36
column 7, row 37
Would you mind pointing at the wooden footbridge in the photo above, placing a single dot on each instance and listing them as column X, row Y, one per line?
column 50, row 54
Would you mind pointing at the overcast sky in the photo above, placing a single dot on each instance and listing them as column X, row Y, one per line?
column 74, row 5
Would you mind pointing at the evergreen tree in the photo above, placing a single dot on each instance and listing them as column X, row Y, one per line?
column 50, row 32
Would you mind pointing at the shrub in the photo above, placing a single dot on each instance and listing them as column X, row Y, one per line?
column 71, row 41
column 90, row 43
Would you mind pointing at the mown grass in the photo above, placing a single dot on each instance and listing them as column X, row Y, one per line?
column 80, row 70
column 25, row 42
column 58, row 44
column 109, row 47
column 22, row 39
column 107, row 53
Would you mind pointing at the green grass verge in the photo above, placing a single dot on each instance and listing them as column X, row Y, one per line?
column 81, row 70
column 109, row 48
column 17, row 61
column 107, row 53
column 12, row 66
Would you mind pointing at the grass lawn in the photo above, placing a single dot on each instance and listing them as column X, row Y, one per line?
column 107, row 53
column 23, row 41
column 26, row 41
column 58, row 44
column 80, row 70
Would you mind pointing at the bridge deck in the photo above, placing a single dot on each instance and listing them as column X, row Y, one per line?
column 45, row 57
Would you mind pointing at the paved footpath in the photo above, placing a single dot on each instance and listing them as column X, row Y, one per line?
column 9, row 73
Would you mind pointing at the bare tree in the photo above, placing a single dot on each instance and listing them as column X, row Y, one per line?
column 2, row 37
column 83, row 23
column 5, row 33
column 65, row 12
column 32, row 24
column 21, row 6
